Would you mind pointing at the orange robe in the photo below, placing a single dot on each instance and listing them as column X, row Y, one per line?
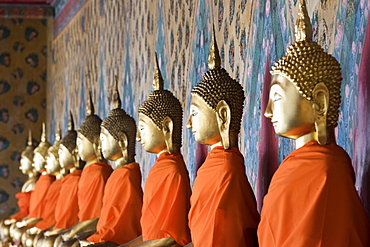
column 223, row 206
column 50, row 201
column 37, row 196
column 66, row 209
column 119, row 220
column 91, row 190
column 166, row 200
column 23, row 204
column 312, row 201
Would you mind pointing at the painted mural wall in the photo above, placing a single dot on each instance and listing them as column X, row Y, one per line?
column 22, row 98
column 107, row 38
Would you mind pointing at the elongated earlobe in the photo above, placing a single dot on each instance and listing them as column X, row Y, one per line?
column 223, row 116
column 167, row 128
column 123, row 144
column 320, row 100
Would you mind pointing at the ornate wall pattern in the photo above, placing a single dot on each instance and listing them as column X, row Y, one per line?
column 107, row 38
column 22, row 98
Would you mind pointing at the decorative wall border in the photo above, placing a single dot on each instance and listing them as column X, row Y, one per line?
column 26, row 11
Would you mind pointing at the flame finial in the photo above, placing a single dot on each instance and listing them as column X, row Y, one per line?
column 158, row 79
column 90, row 106
column 214, row 59
column 58, row 133
column 29, row 143
column 116, row 101
column 303, row 28
column 43, row 134
column 71, row 124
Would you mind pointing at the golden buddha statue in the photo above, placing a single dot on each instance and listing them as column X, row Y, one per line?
column 119, row 222
column 93, row 178
column 215, row 114
column 25, row 194
column 167, row 188
column 66, row 209
column 311, row 200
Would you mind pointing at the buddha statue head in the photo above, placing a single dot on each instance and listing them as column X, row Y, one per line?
column 67, row 149
column 27, row 157
column 88, row 135
column 305, row 88
column 217, row 105
column 41, row 151
column 52, row 159
column 160, row 119
column 118, row 133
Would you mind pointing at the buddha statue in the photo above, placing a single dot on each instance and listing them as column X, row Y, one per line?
column 311, row 200
column 25, row 194
column 66, row 209
column 119, row 220
column 221, row 187
column 93, row 178
column 167, row 188
column 53, row 168
column 39, row 193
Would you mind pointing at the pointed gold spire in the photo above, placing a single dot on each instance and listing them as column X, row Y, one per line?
column 43, row 134
column 29, row 143
column 116, row 101
column 58, row 133
column 89, row 105
column 303, row 28
column 158, row 79
column 71, row 124
column 214, row 59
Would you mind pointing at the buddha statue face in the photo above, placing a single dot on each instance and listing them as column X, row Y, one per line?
column 52, row 164
column 150, row 136
column 65, row 157
column 39, row 162
column 26, row 165
column 85, row 148
column 305, row 90
column 203, row 122
column 217, row 105
column 291, row 114
column 110, row 147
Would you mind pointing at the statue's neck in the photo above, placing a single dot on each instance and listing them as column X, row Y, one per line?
column 175, row 149
column 93, row 161
column 312, row 136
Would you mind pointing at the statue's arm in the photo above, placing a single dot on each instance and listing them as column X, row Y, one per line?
column 162, row 242
column 81, row 227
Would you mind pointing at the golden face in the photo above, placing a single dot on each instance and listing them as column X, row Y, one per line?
column 109, row 146
column 38, row 162
column 52, row 164
column 291, row 114
column 203, row 122
column 85, row 148
column 150, row 137
column 65, row 157
column 25, row 165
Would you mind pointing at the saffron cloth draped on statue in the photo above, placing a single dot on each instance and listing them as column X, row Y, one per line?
column 91, row 190
column 119, row 220
column 166, row 200
column 50, row 200
column 23, row 204
column 312, row 201
column 37, row 196
column 223, row 207
column 66, row 210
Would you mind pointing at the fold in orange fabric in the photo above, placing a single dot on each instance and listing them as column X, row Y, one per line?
column 166, row 200
column 312, row 201
column 23, row 204
column 50, row 201
column 66, row 209
column 223, row 206
column 37, row 196
column 119, row 220
column 91, row 190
